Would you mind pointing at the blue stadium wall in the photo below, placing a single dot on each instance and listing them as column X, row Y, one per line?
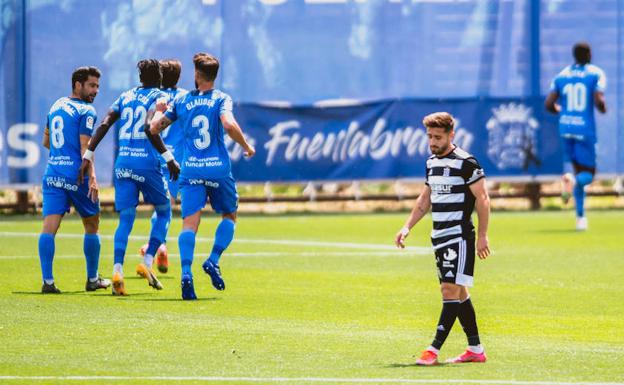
column 326, row 89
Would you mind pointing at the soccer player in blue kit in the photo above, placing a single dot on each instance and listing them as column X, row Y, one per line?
column 68, row 129
column 205, row 115
column 174, row 141
column 137, row 169
column 582, row 86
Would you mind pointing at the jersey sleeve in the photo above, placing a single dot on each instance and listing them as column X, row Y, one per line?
column 116, row 106
column 554, row 87
column 472, row 171
column 427, row 174
column 226, row 105
column 172, row 110
column 87, row 122
column 601, row 84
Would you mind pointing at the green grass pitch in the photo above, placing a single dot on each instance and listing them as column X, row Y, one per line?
column 319, row 298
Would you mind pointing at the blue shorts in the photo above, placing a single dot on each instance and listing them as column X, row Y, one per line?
column 174, row 186
column 128, row 183
column 59, row 192
column 579, row 152
column 221, row 193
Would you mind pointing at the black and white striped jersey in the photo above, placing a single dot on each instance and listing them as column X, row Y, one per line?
column 452, row 202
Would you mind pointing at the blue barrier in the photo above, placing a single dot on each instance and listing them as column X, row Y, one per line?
column 400, row 58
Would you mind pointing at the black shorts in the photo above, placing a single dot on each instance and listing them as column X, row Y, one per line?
column 455, row 262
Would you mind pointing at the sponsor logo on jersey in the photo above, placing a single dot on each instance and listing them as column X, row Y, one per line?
column 60, row 182
column 126, row 173
column 450, row 254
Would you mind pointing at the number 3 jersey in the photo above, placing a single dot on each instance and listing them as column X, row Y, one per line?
column 67, row 120
column 135, row 150
column 205, row 154
column 576, row 85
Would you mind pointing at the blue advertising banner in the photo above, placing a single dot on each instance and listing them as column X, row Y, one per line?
column 385, row 140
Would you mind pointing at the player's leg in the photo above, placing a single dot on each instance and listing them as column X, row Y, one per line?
column 193, row 200
column 567, row 179
column 126, row 200
column 224, row 200
column 585, row 167
column 90, row 213
column 55, row 205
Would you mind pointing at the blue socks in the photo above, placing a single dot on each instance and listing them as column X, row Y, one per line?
column 46, row 255
column 186, row 244
column 160, row 225
column 91, row 247
column 223, row 238
column 126, row 221
column 582, row 179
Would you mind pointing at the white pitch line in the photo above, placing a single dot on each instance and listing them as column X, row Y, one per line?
column 299, row 380
column 286, row 242
column 252, row 254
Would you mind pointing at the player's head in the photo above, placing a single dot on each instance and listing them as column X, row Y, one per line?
column 171, row 69
column 86, row 83
column 150, row 74
column 206, row 67
column 440, row 131
column 582, row 53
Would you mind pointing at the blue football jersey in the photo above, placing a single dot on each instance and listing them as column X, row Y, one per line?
column 135, row 150
column 173, row 136
column 576, row 86
column 67, row 120
column 199, row 113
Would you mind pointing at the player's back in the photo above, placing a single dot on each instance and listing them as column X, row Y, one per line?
column 173, row 136
column 135, row 150
column 205, row 154
column 576, row 85
column 67, row 120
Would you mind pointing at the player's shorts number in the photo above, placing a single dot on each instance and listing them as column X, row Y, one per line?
column 56, row 132
column 201, row 122
column 576, row 96
column 140, row 113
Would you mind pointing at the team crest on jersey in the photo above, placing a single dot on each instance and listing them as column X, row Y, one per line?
column 512, row 137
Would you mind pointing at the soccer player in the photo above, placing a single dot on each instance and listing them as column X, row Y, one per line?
column 204, row 114
column 455, row 184
column 582, row 85
column 137, row 169
column 174, row 141
column 67, row 132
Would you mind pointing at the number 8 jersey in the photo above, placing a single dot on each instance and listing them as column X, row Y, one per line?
column 205, row 154
column 67, row 120
column 135, row 150
column 576, row 85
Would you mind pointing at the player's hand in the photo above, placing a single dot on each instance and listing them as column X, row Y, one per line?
column 94, row 190
column 174, row 169
column 483, row 247
column 84, row 169
column 399, row 238
column 161, row 105
column 249, row 151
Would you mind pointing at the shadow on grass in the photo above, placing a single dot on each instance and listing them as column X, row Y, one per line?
column 413, row 365
column 160, row 278
column 555, row 231
column 48, row 294
column 176, row 299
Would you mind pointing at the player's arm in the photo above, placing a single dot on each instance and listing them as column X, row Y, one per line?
column 423, row 203
column 158, row 143
column 551, row 102
column 236, row 133
column 100, row 133
column 93, row 186
column 599, row 101
column 46, row 137
column 482, row 205
column 158, row 124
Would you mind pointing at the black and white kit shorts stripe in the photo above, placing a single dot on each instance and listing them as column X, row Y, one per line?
column 456, row 261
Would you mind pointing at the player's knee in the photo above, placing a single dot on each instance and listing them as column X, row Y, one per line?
column 51, row 224
column 584, row 178
column 230, row 216
column 163, row 211
column 127, row 215
column 450, row 291
column 91, row 224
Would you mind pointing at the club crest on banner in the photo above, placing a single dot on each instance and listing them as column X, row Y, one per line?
column 512, row 137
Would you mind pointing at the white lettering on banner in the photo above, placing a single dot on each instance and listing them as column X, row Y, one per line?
column 351, row 143
column 16, row 140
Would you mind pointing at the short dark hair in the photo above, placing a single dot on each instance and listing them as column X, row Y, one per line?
column 582, row 52
column 150, row 74
column 207, row 65
column 81, row 74
column 171, row 69
column 440, row 120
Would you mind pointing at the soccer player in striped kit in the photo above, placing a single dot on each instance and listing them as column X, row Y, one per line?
column 455, row 185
